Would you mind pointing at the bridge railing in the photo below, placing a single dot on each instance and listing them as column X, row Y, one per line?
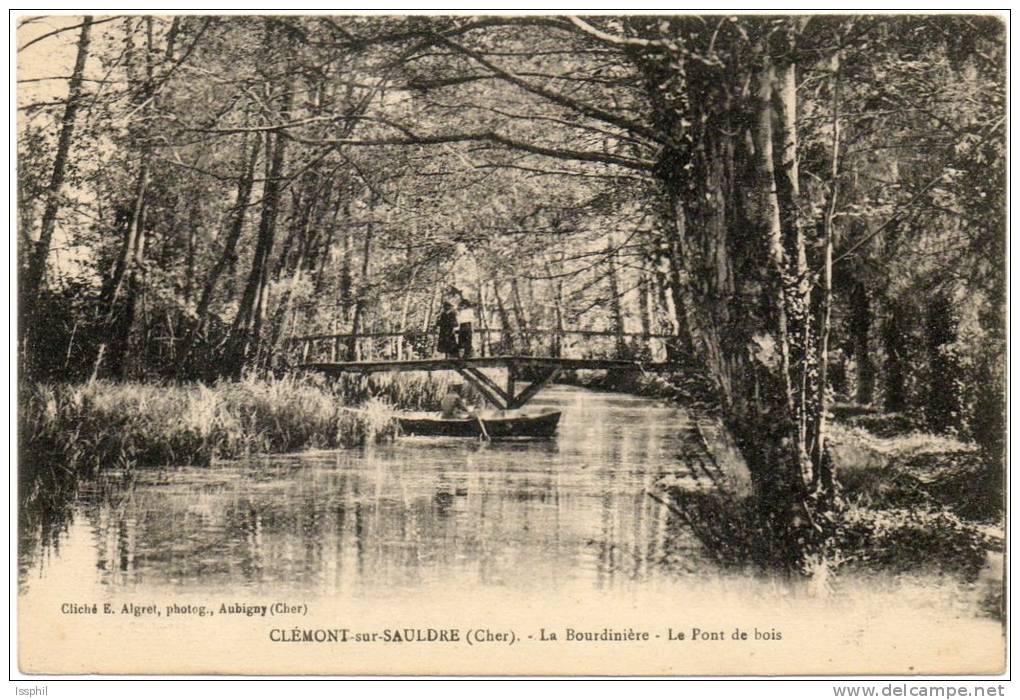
column 486, row 342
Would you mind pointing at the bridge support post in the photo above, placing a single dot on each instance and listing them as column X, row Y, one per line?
column 536, row 386
column 511, row 384
column 485, row 386
column 508, row 398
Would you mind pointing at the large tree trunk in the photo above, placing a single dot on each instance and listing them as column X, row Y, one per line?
column 507, row 339
column 894, row 338
column 305, row 230
column 118, row 298
column 823, row 476
column 616, row 301
column 645, row 304
column 556, row 284
column 736, row 266
column 763, row 412
column 485, row 325
column 245, row 343
column 248, row 160
column 677, row 297
column 37, row 263
column 784, row 100
column 860, row 334
column 772, row 224
column 943, row 409
column 521, row 317
column 345, row 288
column 358, row 321
column 247, row 327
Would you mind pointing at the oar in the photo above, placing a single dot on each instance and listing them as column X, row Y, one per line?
column 481, row 427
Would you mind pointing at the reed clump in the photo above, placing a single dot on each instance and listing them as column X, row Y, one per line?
column 84, row 428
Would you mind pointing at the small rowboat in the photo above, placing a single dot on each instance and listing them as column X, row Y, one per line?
column 496, row 427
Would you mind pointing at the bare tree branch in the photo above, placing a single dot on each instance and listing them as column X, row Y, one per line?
column 65, row 29
column 559, row 98
column 429, row 140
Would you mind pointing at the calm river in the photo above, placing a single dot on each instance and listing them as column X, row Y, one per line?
column 525, row 515
column 524, row 538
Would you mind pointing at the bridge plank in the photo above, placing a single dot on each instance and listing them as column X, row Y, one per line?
column 501, row 361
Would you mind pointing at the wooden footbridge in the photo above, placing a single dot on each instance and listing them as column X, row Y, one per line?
column 539, row 370
column 527, row 361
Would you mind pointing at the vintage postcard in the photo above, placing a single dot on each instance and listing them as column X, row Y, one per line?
column 516, row 344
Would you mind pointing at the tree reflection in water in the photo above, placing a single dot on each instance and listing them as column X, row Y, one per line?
column 387, row 518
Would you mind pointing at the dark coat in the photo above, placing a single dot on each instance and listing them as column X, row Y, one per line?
column 447, row 324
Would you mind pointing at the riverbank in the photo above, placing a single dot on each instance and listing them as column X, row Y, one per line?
column 910, row 501
column 688, row 387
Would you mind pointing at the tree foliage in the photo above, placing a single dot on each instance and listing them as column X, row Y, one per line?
column 803, row 206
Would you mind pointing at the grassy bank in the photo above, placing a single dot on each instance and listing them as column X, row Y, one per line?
column 83, row 428
column 913, row 499
column 909, row 500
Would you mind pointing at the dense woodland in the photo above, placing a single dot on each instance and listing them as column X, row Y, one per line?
column 801, row 209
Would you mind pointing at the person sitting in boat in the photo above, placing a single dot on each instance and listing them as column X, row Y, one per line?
column 452, row 405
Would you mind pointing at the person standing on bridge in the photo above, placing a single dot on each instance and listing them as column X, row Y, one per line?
column 465, row 319
column 447, row 324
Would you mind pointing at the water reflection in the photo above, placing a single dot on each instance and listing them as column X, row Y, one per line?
column 422, row 511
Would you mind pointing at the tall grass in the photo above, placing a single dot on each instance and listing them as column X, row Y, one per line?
column 84, row 428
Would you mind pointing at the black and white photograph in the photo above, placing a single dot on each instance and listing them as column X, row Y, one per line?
column 510, row 343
